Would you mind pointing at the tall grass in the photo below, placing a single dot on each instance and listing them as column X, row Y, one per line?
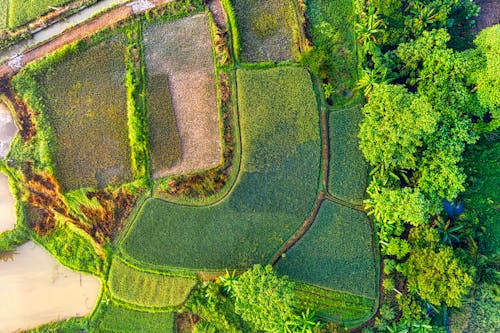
column 232, row 28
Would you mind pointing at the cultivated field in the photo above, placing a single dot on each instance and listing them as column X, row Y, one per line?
column 348, row 168
column 116, row 318
column 86, row 105
column 266, row 29
column 24, row 11
column 179, row 54
column 4, row 14
column 147, row 289
column 273, row 195
column 336, row 253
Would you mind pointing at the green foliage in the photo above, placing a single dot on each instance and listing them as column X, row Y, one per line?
column 266, row 29
column 24, row 11
column 348, row 169
column 4, row 23
column 164, row 134
column 273, row 194
column 340, row 239
column 394, row 207
column 334, row 51
column 397, row 247
column 333, row 305
column 437, row 276
column 488, row 89
column 116, row 318
column 233, row 28
column 80, row 92
column 264, row 299
column 390, row 108
column 147, row 289
column 70, row 325
column 73, row 248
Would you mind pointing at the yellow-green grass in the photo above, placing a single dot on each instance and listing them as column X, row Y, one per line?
column 274, row 193
column 147, row 289
column 4, row 14
column 86, row 105
column 267, row 29
column 115, row 318
column 165, row 144
column 336, row 253
column 334, row 306
column 24, row 11
column 348, row 168
column 182, row 51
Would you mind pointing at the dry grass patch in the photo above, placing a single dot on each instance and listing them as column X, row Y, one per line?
column 181, row 51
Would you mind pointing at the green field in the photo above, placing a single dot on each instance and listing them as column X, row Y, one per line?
column 147, row 289
column 118, row 319
column 266, row 29
column 348, row 168
column 165, row 144
column 334, row 306
column 24, row 11
column 4, row 14
column 274, row 193
column 86, row 106
column 336, row 253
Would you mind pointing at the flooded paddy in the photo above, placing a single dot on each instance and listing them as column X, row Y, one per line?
column 35, row 289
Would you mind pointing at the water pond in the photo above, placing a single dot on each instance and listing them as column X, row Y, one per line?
column 36, row 289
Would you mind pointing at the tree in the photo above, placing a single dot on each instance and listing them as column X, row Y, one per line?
column 437, row 276
column 263, row 299
column 394, row 126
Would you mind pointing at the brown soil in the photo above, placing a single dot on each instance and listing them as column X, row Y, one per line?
column 185, row 322
column 218, row 13
column 25, row 116
column 489, row 14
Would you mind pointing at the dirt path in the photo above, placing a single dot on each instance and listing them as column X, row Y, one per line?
column 72, row 35
column 489, row 14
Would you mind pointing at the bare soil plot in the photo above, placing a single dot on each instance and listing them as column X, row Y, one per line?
column 86, row 106
column 489, row 14
column 181, row 50
column 266, row 29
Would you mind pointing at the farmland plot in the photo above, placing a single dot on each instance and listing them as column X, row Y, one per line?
column 266, row 29
column 336, row 253
column 147, row 289
column 24, row 11
column 86, row 105
column 275, row 190
column 348, row 168
column 179, row 54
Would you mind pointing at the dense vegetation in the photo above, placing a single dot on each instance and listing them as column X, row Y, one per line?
column 24, row 11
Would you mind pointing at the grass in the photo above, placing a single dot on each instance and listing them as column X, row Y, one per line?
column 336, row 253
column 86, row 105
column 348, row 169
column 4, row 15
column 332, row 305
column 115, row 318
column 163, row 131
column 181, row 50
column 267, row 29
column 24, row 11
column 147, row 289
column 340, row 15
column 273, row 195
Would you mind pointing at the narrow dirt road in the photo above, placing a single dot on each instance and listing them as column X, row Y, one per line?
column 74, row 34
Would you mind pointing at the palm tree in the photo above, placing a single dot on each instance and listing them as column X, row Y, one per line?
column 369, row 27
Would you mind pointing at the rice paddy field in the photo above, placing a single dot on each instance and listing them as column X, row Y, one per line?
column 178, row 57
column 336, row 253
column 348, row 168
column 4, row 15
column 266, row 29
column 274, row 193
column 114, row 318
column 147, row 289
column 86, row 106
column 24, row 11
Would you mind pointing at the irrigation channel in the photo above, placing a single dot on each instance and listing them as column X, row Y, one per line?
column 37, row 289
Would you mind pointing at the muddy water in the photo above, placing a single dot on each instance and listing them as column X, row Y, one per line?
column 36, row 289
column 7, row 206
column 7, row 130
